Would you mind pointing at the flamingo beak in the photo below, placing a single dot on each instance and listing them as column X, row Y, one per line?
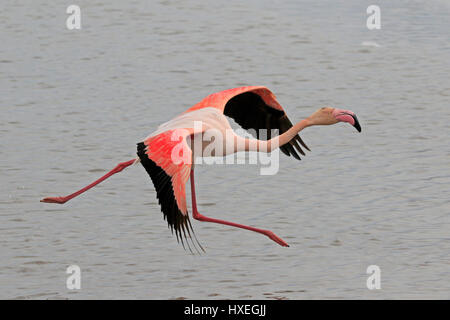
column 356, row 124
column 347, row 116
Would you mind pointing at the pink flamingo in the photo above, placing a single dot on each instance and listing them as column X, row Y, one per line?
column 253, row 107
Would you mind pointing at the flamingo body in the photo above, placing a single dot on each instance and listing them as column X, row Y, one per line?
column 156, row 151
column 252, row 107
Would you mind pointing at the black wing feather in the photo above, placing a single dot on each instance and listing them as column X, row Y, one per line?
column 176, row 220
column 251, row 112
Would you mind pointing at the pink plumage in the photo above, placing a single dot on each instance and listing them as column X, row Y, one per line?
column 252, row 107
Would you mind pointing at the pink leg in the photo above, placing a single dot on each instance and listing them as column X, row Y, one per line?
column 62, row 200
column 200, row 217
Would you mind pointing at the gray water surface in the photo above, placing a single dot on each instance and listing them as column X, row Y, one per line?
column 74, row 103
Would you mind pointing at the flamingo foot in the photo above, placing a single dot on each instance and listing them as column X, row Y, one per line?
column 275, row 238
column 59, row 200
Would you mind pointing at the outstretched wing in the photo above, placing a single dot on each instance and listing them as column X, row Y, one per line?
column 254, row 107
column 250, row 111
column 169, row 177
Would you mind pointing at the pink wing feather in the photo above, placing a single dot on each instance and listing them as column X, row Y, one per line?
column 219, row 99
column 169, row 177
column 160, row 149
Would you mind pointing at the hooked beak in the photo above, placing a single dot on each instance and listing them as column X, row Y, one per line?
column 347, row 116
column 356, row 124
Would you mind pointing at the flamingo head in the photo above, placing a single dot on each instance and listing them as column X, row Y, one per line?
column 328, row 115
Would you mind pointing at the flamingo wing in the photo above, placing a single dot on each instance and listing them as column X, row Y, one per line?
column 254, row 107
column 250, row 111
column 169, row 177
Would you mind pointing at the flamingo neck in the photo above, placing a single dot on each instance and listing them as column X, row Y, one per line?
column 284, row 138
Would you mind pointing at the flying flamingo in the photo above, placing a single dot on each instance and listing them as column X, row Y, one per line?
column 253, row 107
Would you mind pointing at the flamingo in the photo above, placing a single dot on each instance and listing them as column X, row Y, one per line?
column 252, row 107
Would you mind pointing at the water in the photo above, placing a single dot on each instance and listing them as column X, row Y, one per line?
column 74, row 103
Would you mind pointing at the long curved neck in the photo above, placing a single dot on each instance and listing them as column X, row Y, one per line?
column 274, row 143
column 291, row 133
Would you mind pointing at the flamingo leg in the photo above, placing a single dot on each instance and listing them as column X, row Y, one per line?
column 200, row 217
column 62, row 200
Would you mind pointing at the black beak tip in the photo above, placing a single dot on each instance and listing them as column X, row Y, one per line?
column 356, row 125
